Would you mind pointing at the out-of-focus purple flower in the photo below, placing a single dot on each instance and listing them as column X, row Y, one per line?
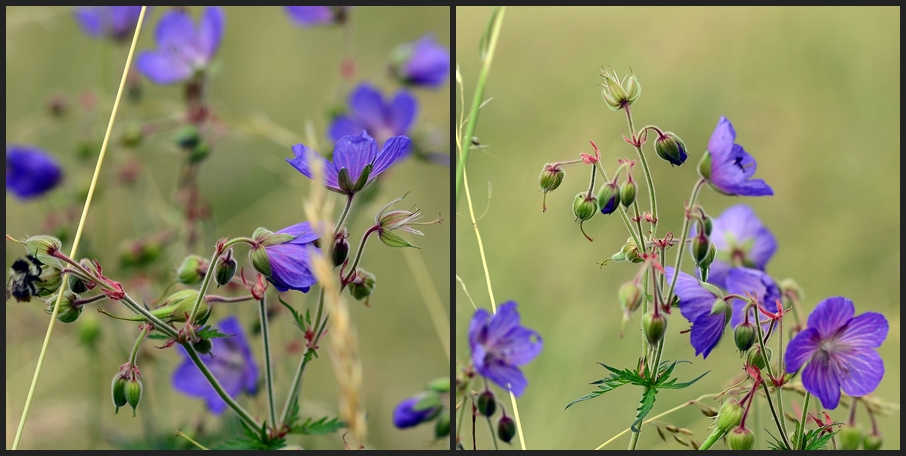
column 423, row 62
column 114, row 22
column 840, row 351
column 30, row 171
column 231, row 362
column 368, row 111
column 356, row 161
column 286, row 264
column 499, row 345
column 727, row 166
column 743, row 281
column 707, row 312
column 406, row 415
column 310, row 16
column 741, row 240
column 182, row 49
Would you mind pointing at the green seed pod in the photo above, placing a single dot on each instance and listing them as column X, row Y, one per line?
column 486, row 403
column 68, row 313
column 363, row 285
column 551, row 177
column 756, row 359
column 43, row 247
column 745, row 335
column 729, row 415
column 654, row 326
column 134, row 393
column 49, row 281
column 740, row 439
column 119, row 391
column 700, row 245
column 506, row 428
column 585, row 207
column 627, row 193
column 630, row 295
column 192, row 270
column 872, row 442
column 226, row 267
column 442, row 427
column 850, row 437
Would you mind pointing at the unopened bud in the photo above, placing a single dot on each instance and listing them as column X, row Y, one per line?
column 340, row 250
column 757, row 359
column 609, row 198
column 362, row 285
column 68, row 312
column 487, row 403
column 585, row 207
column 192, row 270
column 119, row 391
column 740, row 439
column 43, row 247
column 729, row 415
column 134, row 393
column 226, row 267
column 745, row 335
column 627, row 193
column 506, row 428
column 850, row 437
column 671, row 148
column 551, row 177
column 654, row 326
column 442, row 427
column 630, row 295
column 872, row 441
column 700, row 245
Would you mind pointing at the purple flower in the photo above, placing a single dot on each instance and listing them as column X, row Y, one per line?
column 839, row 349
column 706, row 311
column 500, row 345
column 422, row 62
column 369, row 112
column 30, row 171
column 183, row 49
column 231, row 362
column 114, row 22
column 286, row 264
column 740, row 240
column 309, row 16
column 727, row 167
column 406, row 415
column 356, row 161
column 755, row 283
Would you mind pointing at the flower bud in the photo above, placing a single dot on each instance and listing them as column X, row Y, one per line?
column 226, row 267
column 700, row 245
column 199, row 152
column 340, row 250
column 187, row 137
column 850, row 437
column 487, row 403
column 192, row 270
column 132, row 136
column 729, row 415
column 631, row 295
column 756, row 358
column 203, row 346
column 671, row 148
column 134, row 393
column 119, row 391
column 551, row 177
column 632, row 87
column 740, row 439
column 627, row 193
column 440, row 385
column 609, row 198
column 506, row 428
column 260, row 261
column 68, row 313
column 872, row 441
column 362, row 285
column 76, row 284
column 707, row 223
column 442, row 427
column 629, row 252
column 43, row 248
column 180, row 304
column 745, row 335
column 654, row 326
column 49, row 281
column 585, row 206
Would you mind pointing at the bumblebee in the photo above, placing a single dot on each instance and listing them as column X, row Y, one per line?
column 22, row 277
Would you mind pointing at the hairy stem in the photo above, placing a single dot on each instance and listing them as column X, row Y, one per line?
column 243, row 414
column 268, row 372
column 652, row 197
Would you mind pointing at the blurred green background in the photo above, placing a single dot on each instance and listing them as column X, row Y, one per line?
column 814, row 95
column 273, row 79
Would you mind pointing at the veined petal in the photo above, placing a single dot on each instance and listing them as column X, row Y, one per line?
column 505, row 320
column 800, row 349
column 163, row 67
column 174, row 29
column 721, row 141
column 706, row 333
column 695, row 301
column 210, row 31
column 392, row 151
column 290, row 268
column 520, row 346
column 304, row 231
column 831, row 315
column 865, row 331
column 820, row 378
column 508, row 377
column 402, row 112
column 301, row 163
column 355, row 153
column 863, row 371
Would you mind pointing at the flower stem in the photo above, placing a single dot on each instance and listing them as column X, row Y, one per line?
column 682, row 243
column 243, row 414
column 777, row 419
column 344, row 214
column 493, row 32
column 268, row 368
column 781, row 425
column 138, row 344
column 712, row 439
column 493, row 435
column 358, row 256
column 306, row 357
column 637, row 237
column 204, row 285
column 651, row 194
column 801, row 427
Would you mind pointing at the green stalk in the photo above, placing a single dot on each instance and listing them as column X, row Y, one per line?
column 138, row 344
column 243, row 414
column 778, row 420
column 712, row 439
column 681, row 247
column 801, row 426
column 637, row 237
column 358, row 255
column 268, row 369
column 651, row 195
column 493, row 435
column 306, row 357
column 492, row 34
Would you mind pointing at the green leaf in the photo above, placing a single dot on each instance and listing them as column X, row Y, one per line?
column 647, row 403
column 427, row 401
column 297, row 319
column 211, row 333
column 618, row 378
column 486, row 36
column 320, row 427
column 817, row 438
column 777, row 444
column 157, row 336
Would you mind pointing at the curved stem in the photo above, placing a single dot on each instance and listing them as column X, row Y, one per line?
column 268, row 372
column 138, row 344
column 343, row 214
column 651, row 194
column 712, row 439
column 358, row 256
column 682, row 243
column 204, row 285
column 636, row 237
column 224, row 299
column 493, row 435
column 243, row 414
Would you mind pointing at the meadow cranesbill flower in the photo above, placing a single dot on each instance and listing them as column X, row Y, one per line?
column 743, row 281
column 740, row 240
column 231, row 362
column 30, row 171
column 840, row 351
column 423, row 62
column 114, row 22
column 368, row 111
column 356, row 161
column 707, row 312
column 727, row 166
column 285, row 263
column 182, row 49
column 499, row 345
column 310, row 16
column 409, row 413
